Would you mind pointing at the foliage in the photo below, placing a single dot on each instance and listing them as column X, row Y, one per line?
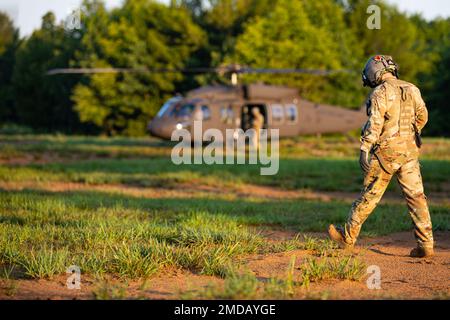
column 436, row 83
column 141, row 34
column 9, row 40
column 43, row 102
column 95, row 214
column 295, row 35
column 325, row 34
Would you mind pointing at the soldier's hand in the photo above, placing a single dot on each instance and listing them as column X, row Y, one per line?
column 364, row 161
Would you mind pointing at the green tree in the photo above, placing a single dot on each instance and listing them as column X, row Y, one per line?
column 9, row 40
column 303, row 34
column 436, row 83
column 223, row 21
column 43, row 102
column 141, row 34
column 398, row 36
column 438, row 100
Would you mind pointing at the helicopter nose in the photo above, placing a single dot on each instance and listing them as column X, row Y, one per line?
column 160, row 129
column 154, row 128
column 150, row 127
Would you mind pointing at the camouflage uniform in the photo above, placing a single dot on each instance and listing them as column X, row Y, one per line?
column 396, row 111
column 257, row 124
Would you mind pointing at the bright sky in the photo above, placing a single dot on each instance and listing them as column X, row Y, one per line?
column 27, row 13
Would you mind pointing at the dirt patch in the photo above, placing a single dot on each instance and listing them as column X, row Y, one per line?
column 167, row 285
column 326, row 196
column 31, row 158
column 153, row 193
column 402, row 277
column 198, row 190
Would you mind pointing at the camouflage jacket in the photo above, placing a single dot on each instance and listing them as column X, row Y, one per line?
column 258, row 121
column 395, row 109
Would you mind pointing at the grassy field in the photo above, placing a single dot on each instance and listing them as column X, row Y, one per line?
column 58, row 208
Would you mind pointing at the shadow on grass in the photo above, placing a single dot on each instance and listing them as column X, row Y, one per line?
column 316, row 174
column 291, row 214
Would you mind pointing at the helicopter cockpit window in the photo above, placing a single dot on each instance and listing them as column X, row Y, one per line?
column 226, row 114
column 291, row 112
column 277, row 113
column 184, row 110
column 206, row 113
column 166, row 106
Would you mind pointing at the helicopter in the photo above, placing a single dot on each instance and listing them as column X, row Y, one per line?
column 229, row 106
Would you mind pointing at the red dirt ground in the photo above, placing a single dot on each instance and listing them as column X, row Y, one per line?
column 402, row 277
column 243, row 191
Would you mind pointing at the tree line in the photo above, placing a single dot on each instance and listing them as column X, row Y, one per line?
column 328, row 34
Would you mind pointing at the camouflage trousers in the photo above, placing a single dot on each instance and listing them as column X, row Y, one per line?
column 255, row 137
column 375, row 183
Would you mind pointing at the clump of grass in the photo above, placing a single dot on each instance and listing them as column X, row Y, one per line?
column 217, row 261
column 125, row 242
column 276, row 289
column 44, row 263
column 290, row 276
column 7, row 271
column 320, row 247
column 314, row 270
column 109, row 291
column 441, row 295
column 322, row 295
column 45, row 232
column 10, row 286
column 284, row 245
column 281, row 288
column 135, row 261
column 245, row 285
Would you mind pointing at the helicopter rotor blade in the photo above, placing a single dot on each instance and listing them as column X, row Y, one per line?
column 85, row 70
column 128, row 70
column 291, row 71
column 220, row 70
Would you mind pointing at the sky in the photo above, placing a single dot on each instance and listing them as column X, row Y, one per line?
column 27, row 13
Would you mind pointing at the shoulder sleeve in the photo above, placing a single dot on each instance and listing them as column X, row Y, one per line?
column 421, row 109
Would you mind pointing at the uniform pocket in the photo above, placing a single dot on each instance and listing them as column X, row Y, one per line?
column 393, row 158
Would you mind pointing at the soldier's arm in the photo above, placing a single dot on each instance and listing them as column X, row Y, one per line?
column 421, row 110
column 374, row 125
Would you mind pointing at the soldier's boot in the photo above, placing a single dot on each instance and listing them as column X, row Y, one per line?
column 420, row 252
column 337, row 234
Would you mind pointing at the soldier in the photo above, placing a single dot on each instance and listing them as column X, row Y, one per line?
column 257, row 124
column 391, row 138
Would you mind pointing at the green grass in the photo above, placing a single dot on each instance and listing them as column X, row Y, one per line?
column 43, row 232
column 348, row 268
column 109, row 291
column 245, row 285
column 327, row 164
column 314, row 174
column 7, row 275
column 122, row 147
column 43, row 235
